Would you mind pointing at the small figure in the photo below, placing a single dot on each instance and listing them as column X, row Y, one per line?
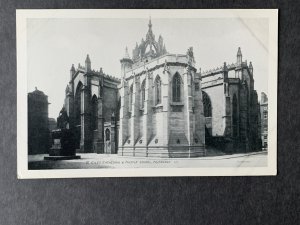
column 190, row 54
column 62, row 119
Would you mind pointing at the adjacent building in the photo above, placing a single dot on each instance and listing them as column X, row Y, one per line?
column 38, row 131
column 264, row 119
column 231, row 107
column 91, row 103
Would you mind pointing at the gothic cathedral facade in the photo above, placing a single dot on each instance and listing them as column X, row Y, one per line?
column 161, row 112
column 91, row 103
column 163, row 107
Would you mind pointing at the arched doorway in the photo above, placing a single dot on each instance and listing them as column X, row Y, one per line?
column 107, row 141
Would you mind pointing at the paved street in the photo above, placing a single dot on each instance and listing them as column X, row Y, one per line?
column 91, row 160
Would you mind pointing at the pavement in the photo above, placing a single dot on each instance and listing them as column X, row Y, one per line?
column 93, row 160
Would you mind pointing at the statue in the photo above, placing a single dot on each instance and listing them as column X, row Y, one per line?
column 63, row 140
column 166, row 67
column 190, row 54
column 62, row 119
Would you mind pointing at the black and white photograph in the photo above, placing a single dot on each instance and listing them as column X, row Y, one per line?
column 114, row 93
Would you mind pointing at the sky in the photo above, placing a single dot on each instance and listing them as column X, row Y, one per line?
column 53, row 45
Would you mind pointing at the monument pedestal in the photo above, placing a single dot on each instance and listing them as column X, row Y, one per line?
column 63, row 147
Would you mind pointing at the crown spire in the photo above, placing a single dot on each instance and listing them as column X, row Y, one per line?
column 150, row 24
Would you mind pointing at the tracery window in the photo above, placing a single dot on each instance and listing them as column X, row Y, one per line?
column 206, row 104
column 157, row 88
column 176, row 88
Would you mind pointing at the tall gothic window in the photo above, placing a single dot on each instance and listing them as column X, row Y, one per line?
column 130, row 97
column 157, row 88
column 234, row 116
column 176, row 88
column 143, row 93
column 206, row 104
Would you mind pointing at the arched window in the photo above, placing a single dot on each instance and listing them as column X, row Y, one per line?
column 176, row 87
column 94, row 112
column 143, row 94
column 234, row 117
column 206, row 104
column 157, row 88
column 130, row 98
column 107, row 134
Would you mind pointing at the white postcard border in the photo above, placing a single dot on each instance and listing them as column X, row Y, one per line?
column 22, row 157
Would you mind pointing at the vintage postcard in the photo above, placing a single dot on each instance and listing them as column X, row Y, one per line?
column 125, row 93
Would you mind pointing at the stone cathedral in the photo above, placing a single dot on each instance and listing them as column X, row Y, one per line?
column 163, row 107
column 161, row 111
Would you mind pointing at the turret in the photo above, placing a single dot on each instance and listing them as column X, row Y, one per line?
column 126, row 63
column 72, row 71
column 251, row 68
column 225, row 71
column 88, row 63
column 239, row 56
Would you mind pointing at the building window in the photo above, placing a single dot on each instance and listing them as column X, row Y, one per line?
column 265, row 137
column 206, row 104
column 157, row 88
column 176, row 88
column 143, row 94
column 265, row 115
